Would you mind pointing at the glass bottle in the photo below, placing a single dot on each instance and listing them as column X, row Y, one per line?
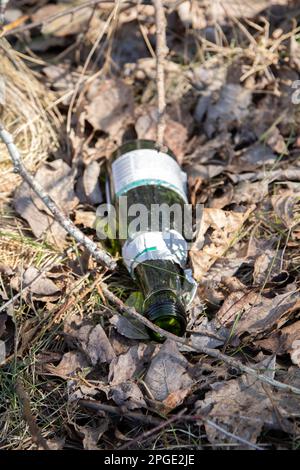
column 155, row 253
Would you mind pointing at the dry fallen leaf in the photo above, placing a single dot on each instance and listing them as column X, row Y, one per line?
column 68, row 24
column 92, row 435
column 57, row 179
column 71, row 363
column 175, row 134
column 43, row 286
column 208, row 335
column 231, row 108
column 110, row 106
column 267, row 265
column 284, row 341
column 85, row 218
column 241, row 407
column 93, row 342
column 221, row 10
column 250, row 192
column 129, row 365
column 254, row 314
column 285, row 205
column 62, row 80
column 168, row 374
column 224, row 226
column 128, row 394
column 129, row 327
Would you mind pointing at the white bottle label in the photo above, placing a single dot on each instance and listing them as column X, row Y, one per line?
column 148, row 166
column 169, row 245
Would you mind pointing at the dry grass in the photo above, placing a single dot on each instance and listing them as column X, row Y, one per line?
column 28, row 113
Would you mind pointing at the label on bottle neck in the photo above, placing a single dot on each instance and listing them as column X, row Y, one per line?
column 146, row 246
column 148, row 166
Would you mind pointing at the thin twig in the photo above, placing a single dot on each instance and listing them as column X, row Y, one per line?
column 117, row 410
column 145, row 436
column 28, row 417
column 50, row 19
column 86, row 64
column 187, row 343
column 100, row 255
column 3, row 6
column 161, row 53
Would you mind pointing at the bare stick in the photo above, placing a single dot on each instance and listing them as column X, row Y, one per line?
column 69, row 11
column 208, row 351
column 3, row 5
column 100, row 255
column 117, row 410
column 161, row 52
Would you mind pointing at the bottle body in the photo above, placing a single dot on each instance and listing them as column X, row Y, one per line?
column 153, row 248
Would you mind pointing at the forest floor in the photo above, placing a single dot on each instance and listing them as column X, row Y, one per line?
column 77, row 79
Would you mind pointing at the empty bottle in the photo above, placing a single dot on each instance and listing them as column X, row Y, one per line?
column 150, row 182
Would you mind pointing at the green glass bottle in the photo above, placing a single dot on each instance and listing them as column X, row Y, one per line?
column 154, row 250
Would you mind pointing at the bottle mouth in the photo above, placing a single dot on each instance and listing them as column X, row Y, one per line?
column 168, row 314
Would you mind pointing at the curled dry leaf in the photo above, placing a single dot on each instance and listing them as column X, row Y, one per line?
column 231, row 108
column 241, row 407
column 129, row 365
column 85, row 218
column 254, row 314
column 284, row 341
column 209, row 335
column 92, row 435
column 207, row 249
column 110, row 106
column 168, row 374
column 43, row 286
column 129, row 327
column 71, row 363
column 276, row 141
column 128, row 394
column 285, row 206
column 67, row 24
column 93, row 342
column 175, row 134
column 267, row 265
column 78, row 390
column 57, row 179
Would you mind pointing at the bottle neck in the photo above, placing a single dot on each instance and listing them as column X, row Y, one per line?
column 164, row 309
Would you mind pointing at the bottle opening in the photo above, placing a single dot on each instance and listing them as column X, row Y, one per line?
column 168, row 314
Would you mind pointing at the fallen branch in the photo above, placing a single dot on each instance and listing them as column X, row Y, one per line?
column 161, row 52
column 187, row 343
column 117, row 410
column 99, row 255
column 182, row 417
column 69, row 11
column 158, row 423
